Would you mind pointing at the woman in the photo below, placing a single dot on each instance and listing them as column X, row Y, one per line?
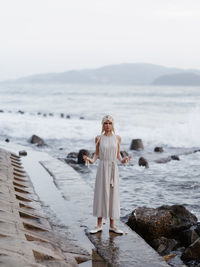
column 106, row 194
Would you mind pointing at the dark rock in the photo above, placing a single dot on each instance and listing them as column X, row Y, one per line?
column 44, row 115
column 68, row 117
column 7, row 140
column 39, row 113
column 164, row 221
column 124, row 154
column 51, row 114
column 23, row 153
column 73, row 155
column 136, row 144
column 60, row 148
column 187, row 237
column 167, row 159
column 20, row 112
column 37, row 140
column 70, row 161
column 163, row 160
column 82, row 118
column 175, row 157
column 62, row 115
column 197, row 228
column 182, row 218
column 80, row 155
column 150, row 223
column 1, row 110
column 158, row 149
column 192, row 252
column 143, row 162
column 164, row 245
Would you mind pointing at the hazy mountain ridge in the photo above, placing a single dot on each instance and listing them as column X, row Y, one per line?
column 183, row 78
column 121, row 74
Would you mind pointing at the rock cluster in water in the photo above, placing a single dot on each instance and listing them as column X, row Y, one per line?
column 37, row 140
column 50, row 114
column 169, row 229
column 136, row 144
column 77, row 157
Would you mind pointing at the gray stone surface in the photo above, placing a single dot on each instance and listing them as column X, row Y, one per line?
column 26, row 237
column 127, row 250
column 75, row 208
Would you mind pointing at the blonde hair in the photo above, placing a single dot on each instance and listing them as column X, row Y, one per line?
column 107, row 118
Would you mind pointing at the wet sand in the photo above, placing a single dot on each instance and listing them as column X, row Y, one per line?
column 54, row 228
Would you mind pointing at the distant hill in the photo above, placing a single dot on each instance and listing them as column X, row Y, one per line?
column 183, row 78
column 121, row 74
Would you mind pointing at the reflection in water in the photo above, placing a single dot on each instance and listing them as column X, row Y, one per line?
column 110, row 251
column 97, row 260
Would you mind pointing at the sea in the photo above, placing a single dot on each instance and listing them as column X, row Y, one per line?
column 68, row 117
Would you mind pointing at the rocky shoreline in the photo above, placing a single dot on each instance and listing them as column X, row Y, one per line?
column 58, row 244
column 172, row 231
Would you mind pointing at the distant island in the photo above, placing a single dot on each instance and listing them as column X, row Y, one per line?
column 121, row 74
column 183, row 78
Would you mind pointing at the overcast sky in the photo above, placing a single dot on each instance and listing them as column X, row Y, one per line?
column 39, row 36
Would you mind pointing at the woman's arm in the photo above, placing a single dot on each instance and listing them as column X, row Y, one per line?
column 96, row 155
column 119, row 157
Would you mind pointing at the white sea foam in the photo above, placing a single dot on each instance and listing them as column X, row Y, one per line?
column 160, row 116
column 168, row 129
column 23, row 126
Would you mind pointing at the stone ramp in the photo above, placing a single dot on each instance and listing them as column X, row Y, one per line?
column 26, row 237
column 36, row 236
column 127, row 250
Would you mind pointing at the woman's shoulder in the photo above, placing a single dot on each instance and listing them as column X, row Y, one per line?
column 118, row 138
column 97, row 138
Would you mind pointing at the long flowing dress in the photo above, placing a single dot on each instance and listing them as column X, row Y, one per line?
column 106, row 193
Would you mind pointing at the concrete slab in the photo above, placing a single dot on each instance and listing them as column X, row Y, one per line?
column 19, row 245
column 74, row 209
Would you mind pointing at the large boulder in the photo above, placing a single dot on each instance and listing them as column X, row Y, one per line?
column 197, row 228
column 158, row 149
column 136, row 144
column 192, row 252
column 80, row 155
column 143, row 162
column 189, row 236
column 37, row 140
column 164, row 245
column 175, row 157
column 167, row 221
column 72, row 155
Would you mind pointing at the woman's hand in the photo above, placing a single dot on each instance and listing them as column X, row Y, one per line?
column 126, row 160
column 87, row 159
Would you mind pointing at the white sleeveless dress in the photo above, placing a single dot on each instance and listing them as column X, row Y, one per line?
column 106, row 193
